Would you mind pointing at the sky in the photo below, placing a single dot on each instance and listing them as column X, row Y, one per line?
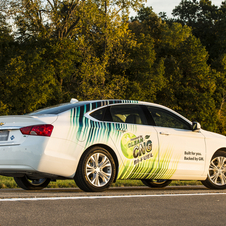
column 168, row 5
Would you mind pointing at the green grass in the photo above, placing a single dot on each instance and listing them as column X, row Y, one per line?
column 8, row 182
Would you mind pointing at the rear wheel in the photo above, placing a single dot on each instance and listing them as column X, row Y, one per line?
column 216, row 177
column 159, row 183
column 96, row 170
column 31, row 184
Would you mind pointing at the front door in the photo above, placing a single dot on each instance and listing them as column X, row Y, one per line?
column 181, row 150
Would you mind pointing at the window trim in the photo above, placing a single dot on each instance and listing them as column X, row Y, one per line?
column 148, row 115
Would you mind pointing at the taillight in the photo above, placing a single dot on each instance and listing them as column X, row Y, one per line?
column 38, row 130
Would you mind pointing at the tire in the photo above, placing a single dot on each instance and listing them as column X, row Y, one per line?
column 28, row 184
column 96, row 170
column 216, row 177
column 156, row 183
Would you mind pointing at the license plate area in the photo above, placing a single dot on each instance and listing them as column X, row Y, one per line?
column 4, row 135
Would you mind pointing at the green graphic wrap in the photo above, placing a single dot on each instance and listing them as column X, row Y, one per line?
column 126, row 150
column 145, row 165
column 150, row 169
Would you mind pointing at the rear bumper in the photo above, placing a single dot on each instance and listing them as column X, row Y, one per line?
column 40, row 155
column 20, row 171
column 15, row 170
column 24, row 158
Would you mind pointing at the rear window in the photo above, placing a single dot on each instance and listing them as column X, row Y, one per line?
column 57, row 109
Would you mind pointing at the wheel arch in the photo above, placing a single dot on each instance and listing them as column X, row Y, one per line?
column 220, row 149
column 215, row 184
column 110, row 150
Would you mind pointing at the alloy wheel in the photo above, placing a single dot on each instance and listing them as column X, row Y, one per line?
column 98, row 169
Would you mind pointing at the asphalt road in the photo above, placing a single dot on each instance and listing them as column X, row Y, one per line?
column 193, row 205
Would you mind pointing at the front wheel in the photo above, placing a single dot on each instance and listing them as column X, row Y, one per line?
column 31, row 184
column 216, row 177
column 159, row 183
column 96, row 170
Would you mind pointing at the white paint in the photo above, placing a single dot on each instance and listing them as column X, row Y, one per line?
column 106, row 197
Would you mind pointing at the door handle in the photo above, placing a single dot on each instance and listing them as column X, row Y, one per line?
column 163, row 133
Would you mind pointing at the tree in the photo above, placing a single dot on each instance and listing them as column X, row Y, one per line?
column 219, row 67
column 172, row 38
column 195, row 93
column 191, row 83
column 202, row 16
column 26, row 80
column 61, row 18
column 80, row 47
column 5, row 42
column 146, row 71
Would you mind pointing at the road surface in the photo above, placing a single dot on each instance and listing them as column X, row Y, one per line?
column 180, row 205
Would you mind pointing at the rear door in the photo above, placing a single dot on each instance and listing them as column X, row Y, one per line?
column 135, row 139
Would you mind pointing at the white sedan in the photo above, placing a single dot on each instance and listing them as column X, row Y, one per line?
column 97, row 142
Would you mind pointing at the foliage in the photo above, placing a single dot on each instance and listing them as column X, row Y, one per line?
column 188, row 78
column 53, row 50
column 146, row 71
column 64, row 49
column 208, row 24
column 187, row 83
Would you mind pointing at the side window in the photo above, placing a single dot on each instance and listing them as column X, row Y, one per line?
column 123, row 113
column 102, row 114
column 164, row 118
column 99, row 114
column 128, row 113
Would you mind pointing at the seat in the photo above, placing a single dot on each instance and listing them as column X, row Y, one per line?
column 116, row 119
column 134, row 119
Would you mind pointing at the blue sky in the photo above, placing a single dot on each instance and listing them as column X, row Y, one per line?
column 168, row 5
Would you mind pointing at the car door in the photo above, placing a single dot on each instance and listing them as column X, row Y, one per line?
column 181, row 150
column 136, row 141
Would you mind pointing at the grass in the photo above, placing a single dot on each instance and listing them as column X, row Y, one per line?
column 8, row 182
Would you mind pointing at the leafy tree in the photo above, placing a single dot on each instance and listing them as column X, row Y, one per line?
column 27, row 80
column 190, row 81
column 86, row 49
column 202, row 16
column 146, row 71
column 186, row 83
column 61, row 18
column 104, row 62
column 79, row 48
column 197, row 84
column 6, row 39
column 172, row 38
column 219, row 66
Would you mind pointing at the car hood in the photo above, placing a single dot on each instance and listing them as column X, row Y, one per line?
column 210, row 135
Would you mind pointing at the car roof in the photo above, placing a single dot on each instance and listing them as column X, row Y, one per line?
column 93, row 104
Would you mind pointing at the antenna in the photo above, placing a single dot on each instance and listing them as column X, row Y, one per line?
column 73, row 101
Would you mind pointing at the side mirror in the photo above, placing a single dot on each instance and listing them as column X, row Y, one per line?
column 196, row 126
